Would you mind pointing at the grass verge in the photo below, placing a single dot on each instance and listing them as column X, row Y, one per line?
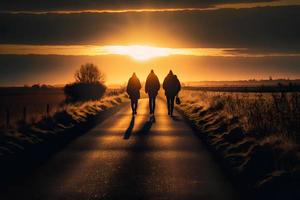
column 262, row 166
column 31, row 144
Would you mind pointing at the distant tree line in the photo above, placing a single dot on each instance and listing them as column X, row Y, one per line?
column 38, row 86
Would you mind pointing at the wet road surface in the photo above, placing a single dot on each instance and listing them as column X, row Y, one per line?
column 129, row 158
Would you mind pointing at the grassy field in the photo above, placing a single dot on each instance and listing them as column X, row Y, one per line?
column 248, row 89
column 35, row 103
column 257, row 134
column 264, row 113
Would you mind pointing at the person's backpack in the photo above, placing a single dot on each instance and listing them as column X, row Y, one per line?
column 178, row 101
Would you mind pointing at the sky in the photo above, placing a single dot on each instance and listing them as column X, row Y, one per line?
column 45, row 41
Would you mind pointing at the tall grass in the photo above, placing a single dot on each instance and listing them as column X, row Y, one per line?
column 261, row 114
column 256, row 134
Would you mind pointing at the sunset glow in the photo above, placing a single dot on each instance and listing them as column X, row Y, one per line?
column 198, row 40
column 136, row 52
column 139, row 52
column 148, row 99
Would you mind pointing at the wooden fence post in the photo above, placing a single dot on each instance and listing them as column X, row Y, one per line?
column 24, row 114
column 48, row 110
column 7, row 117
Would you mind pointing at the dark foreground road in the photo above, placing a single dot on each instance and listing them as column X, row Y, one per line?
column 123, row 158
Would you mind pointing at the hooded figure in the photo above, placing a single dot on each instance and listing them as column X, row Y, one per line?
column 151, row 88
column 133, row 90
column 172, row 87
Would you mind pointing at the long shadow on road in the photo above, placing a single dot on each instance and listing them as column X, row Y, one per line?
column 164, row 161
column 130, row 182
column 130, row 128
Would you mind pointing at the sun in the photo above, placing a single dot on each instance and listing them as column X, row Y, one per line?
column 139, row 52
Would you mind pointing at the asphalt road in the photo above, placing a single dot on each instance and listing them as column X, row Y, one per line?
column 126, row 158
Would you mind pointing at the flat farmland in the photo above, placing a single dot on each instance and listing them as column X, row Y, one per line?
column 15, row 102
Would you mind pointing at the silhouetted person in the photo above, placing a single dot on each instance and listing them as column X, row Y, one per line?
column 172, row 87
column 151, row 88
column 133, row 90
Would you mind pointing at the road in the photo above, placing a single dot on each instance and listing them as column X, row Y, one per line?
column 129, row 158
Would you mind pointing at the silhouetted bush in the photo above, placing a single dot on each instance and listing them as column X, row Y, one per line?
column 84, row 91
column 89, row 84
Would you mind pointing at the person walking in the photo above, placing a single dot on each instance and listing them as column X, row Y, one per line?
column 172, row 87
column 151, row 88
column 133, row 90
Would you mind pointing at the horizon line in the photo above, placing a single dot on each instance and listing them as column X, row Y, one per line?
column 57, row 85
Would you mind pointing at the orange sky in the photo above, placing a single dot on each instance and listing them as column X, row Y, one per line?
column 119, row 62
column 209, row 41
column 118, row 68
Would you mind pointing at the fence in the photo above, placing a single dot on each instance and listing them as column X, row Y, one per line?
column 11, row 116
column 31, row 106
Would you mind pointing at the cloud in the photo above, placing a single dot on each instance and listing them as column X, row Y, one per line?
column 48, row 5
column 267, row 29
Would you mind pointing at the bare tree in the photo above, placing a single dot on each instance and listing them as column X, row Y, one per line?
column 89, row 73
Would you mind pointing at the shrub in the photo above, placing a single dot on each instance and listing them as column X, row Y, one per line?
column 88, row 85
column 84, row 91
